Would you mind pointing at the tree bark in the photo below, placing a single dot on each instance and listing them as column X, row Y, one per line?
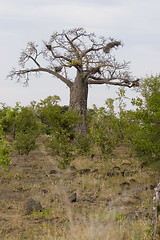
column 78, row 100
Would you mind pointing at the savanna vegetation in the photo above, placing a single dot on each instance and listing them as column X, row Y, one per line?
column 106, row 128
column 116, row 161
column 78, row 59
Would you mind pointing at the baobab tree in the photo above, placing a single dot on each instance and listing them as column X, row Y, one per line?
column 90, row 58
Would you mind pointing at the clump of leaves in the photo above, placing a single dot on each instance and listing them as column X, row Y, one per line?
column 8, row 116
column 25, row 142
column 103, row 128
column 144, row 127
column 65, row 148
column 28, row 128
column 22, row 124
column 5, row 158
column 60, row 124
column 83, row 144
column 45, row 214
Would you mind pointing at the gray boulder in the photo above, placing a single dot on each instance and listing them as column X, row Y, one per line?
column 32, row 205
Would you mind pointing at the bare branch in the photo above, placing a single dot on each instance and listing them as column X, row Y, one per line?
column 90, row 56
column 23, row 74
column 56, row 56
column 76, row 50
column 34, row 60
column 108, row 82
column 30, row 52
column 119, row 82
column 90, row 49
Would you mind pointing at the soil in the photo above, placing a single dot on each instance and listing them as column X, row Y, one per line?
column 116, row 189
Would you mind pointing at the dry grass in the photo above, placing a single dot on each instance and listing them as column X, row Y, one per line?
column 110, row 205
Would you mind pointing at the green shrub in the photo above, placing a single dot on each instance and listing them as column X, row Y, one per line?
column 144, row 123
column 8, row 119
column 83, row 144
column 4, row 151
column 28, row 128
column 62, row 147
column 104, row 130
column 60, row 124
column 25, row 142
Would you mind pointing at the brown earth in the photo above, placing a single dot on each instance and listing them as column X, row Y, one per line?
column 113, row 197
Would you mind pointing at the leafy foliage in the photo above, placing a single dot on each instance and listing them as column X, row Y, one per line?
column 104, row 128
column 63, row 147
column 28, row 128
column 145, row 121
column 60, row 123
column 22, row 124
column 4, row 151
column 9, row 118
column 54, row 117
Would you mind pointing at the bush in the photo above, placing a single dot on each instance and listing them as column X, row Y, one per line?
column 83, row 144
column 4, row 151
column 60, row 123
column 28, row 128
column 144, row 126
column 25, row 142
column 62, row 147
column 104, row 131
column 8, row 116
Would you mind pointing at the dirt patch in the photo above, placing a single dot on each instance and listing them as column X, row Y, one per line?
column 92, row 193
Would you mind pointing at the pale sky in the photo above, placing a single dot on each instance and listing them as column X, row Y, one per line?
column 134, row 22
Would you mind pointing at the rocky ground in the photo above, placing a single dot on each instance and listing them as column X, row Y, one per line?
column 94, row 198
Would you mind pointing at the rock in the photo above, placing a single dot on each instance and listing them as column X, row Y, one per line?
column 123, row 172
column 53, row 171
column 143, row 164
column 85, row 170
column 10, row 207
column 44, row 191
column 110, row 174
column 72, row 168
column 92, row 156
column 32, row 205
column 152, row 187
column 108, row 199
column 73, row 198
column 116, row 168
column 125, row 184
column 128, row 173
column 132, row 180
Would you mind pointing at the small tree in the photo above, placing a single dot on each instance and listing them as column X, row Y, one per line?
column 104, row 129
column 60, row 123
column 55, row 117
column 144, row 123
column 89, row 56
column 4, row 151
column 28, row 128
column 8, row 118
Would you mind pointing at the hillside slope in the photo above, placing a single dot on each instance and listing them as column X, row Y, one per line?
column 93, row 199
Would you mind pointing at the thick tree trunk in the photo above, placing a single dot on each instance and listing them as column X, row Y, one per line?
column 78, row 100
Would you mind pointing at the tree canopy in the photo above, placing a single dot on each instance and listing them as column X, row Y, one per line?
column 76, row 49
column 78, row 59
